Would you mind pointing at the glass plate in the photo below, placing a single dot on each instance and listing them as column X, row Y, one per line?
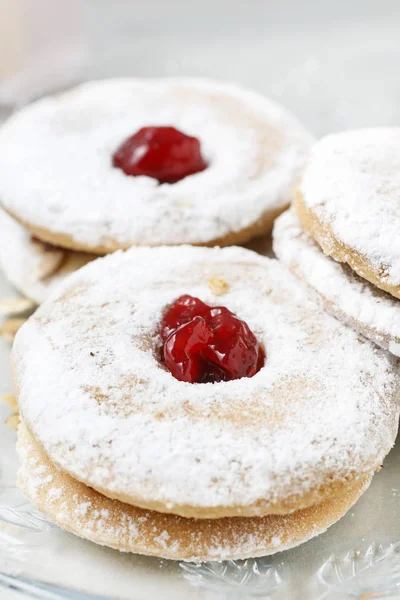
column 336, row 66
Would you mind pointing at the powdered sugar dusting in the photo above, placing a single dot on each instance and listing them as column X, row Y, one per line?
column 93, row 393
column 354, row 300
column 21, row 259
column 253, row 146
column 353, row 184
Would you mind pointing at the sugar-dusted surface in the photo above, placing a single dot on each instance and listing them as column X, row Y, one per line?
column 69, row 187
column 352, row 299
column 352, row 184
column 24, row 261
column 301, row 53
column 323, row 409
column 90, row 515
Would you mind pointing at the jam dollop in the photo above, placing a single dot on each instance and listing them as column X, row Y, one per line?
column 203, row 344
column 164, row 153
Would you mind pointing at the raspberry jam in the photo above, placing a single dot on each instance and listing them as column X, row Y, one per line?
column 163, row 153
column 203, row 344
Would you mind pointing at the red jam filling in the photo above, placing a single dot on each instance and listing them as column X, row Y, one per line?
column 203, row 344
column 163, row 153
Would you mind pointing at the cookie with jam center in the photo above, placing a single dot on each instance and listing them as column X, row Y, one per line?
column 96, row 394
column 116, row 163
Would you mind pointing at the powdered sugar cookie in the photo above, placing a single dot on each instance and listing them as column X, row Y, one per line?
column 33, row 267
column 107, row 410
column 353, row 300
column 88, row 514
column 349, row 201
column 98, row 181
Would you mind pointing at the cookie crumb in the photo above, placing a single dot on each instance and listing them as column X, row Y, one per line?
column 218, row 286
column 13, row 421
column 11, row 401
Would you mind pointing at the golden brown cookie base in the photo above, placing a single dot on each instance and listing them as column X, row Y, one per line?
column 235, row 238
column 86, row 513
column 332, row 246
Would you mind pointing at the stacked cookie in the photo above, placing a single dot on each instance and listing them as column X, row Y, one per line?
column 120, row 163
column 199, row 460
column 341, row 236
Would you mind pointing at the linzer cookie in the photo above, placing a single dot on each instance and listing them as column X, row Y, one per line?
column 349, row 201
column 116, row 163
column 200, row 383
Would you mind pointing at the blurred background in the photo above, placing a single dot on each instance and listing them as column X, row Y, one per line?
column 335, row 64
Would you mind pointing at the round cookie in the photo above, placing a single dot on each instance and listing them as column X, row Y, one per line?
column 349, row 201
column 66, row 191
column 33, row 267
column 106, row 411
column 88, row 514
column 356, row 302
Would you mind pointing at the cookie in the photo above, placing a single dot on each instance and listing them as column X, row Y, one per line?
column 106, row 410
column 33, row 267
column 69, row 190
column 88, row 514
column 349, row 201
column 355, row 301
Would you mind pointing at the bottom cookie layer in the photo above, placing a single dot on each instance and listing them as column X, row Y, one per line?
column 86, row 513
